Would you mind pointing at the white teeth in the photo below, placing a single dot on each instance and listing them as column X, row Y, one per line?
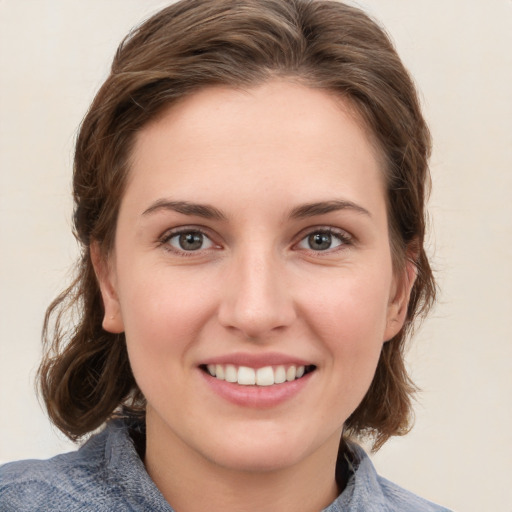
column 231, row 373
column 246, row 376
column 291, row 373
column 219, row 372
column 279, row 375
column 265, row 376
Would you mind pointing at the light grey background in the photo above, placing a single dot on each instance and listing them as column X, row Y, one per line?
column 54, row 54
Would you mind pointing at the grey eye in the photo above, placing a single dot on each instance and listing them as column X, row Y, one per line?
column 190, row 241
column 321, row 241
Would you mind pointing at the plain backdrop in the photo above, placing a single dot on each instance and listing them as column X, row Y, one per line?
column 54, row 54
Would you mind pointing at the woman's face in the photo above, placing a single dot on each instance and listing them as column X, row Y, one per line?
column 252, row 245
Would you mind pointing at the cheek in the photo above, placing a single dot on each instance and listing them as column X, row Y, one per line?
column 352, row 309
column 163, row 316
column 350, row 319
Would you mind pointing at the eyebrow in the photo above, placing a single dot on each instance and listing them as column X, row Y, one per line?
column 324, row 207
column 210, row 212
column 186, row 208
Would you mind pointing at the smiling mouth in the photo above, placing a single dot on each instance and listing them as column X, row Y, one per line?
column 265, row 376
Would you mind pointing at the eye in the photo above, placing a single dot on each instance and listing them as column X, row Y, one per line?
column 323, row 240
column 188, row 241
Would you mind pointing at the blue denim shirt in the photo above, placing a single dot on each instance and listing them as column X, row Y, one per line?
column 107, row 475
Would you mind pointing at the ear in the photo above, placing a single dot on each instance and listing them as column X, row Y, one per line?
column 400, row 295
column 105, row 274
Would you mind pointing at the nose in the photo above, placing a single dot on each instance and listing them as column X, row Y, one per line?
column 256, row 300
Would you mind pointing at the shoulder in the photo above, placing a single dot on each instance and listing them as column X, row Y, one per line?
column 105, row 475
column 34, row 485
column 367, row 491
column 400, row 499
column 71, row 481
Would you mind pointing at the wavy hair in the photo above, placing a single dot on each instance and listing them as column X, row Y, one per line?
column 85, row 376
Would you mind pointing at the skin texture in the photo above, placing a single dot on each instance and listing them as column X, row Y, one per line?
column 255, row 287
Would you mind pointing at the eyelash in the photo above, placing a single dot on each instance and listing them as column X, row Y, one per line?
column 343, row 237
column 169, row 235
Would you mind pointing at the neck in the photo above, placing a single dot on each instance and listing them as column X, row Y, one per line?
column 192, row 483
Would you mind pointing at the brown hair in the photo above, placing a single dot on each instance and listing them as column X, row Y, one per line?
column 85, row 376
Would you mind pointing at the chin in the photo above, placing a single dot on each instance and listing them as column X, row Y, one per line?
column 264, row 450
column 258, row 460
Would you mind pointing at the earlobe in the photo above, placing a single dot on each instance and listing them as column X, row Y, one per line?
column 397, row 308
column 112, row 319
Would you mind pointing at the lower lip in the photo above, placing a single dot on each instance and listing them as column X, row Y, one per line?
column 258, row 397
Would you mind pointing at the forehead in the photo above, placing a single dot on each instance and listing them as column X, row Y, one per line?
column 257, row 108
column 279, row 135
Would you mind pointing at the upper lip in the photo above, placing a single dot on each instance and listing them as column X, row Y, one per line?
column 256, row 360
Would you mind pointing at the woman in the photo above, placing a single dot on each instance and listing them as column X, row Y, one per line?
column 249, row 190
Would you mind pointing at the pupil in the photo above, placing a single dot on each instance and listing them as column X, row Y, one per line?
column 191, row 241
column 320, row 241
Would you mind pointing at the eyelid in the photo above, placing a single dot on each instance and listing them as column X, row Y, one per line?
column 163, row 240
column 344, row 236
